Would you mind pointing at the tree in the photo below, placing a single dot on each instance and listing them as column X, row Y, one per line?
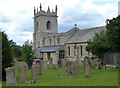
column 7, row 55
column 106, row 41
column 98, row 45
column 16, row 49
column 27, row 52
column 113, row 34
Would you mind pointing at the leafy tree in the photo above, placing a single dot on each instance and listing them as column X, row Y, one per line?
column 27, row 52
column 106, row 41
column 16, row 49
column 7, row 55
column 98, row 45
column 113, row 34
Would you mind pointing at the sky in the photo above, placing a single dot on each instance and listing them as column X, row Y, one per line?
column 16, row 16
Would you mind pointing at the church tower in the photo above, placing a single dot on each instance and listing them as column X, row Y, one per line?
column 45, row 23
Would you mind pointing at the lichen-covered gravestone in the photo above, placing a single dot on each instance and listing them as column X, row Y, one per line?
column 64, row 62
column 44, row 64
column 87, row 67
column 10, row 76
column 68, row 67
column 76, row 67
column 22, row 73
column 35, row 71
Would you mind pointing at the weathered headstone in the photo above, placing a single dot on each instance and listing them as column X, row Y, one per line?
column 35, row 71
column 76, row 67
column 22, row 73
column 51, row 64
column 68, row 67
column 87, row 67
column 10, row 76
column 64, row 62
column 44, row 64
column 19, row 64
column 60, row 63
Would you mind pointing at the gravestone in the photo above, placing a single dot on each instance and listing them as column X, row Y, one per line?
column 64, row 62
column 51, row 64
column 72, row 69
column 35, row 71
column 10, row 76
column 60, row 63
column 19, row 64
column 22, row 73
column 87, row 67
column 68, row 67
column 76, row 67
column 39, row 64
column 44, row 64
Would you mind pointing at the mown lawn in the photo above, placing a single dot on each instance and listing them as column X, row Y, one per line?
column 99, row 77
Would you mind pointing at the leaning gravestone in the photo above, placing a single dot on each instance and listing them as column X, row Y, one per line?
column 87, row 67
column 10, row 76
column 35, row 71
column 22, row 73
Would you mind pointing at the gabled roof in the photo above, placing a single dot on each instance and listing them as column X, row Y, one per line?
column 85, row 34
column 49, row 48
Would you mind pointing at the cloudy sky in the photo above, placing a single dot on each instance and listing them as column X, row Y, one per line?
column 16, row 16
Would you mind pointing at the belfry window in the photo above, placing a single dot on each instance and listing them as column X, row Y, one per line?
column 48, row 25
column 50, row 41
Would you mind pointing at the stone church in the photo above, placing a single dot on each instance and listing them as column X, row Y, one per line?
column 49, row 44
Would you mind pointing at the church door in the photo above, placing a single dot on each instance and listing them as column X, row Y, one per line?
column 61, row 54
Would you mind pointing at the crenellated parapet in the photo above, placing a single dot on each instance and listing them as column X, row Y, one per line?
column 40, row 12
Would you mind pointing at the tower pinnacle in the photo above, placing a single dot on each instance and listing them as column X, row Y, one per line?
column 56, row 8
column 40, row 7
column 48, row 9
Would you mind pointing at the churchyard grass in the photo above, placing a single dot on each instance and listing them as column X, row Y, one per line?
column 99, row 77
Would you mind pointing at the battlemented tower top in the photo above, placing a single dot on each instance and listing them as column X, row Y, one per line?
column 40, row 12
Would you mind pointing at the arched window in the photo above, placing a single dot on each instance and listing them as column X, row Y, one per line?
column 50, row 41
column 68, row 50
column 48, row 25
column 75, row 47
column 81, row 51
column 58, row 40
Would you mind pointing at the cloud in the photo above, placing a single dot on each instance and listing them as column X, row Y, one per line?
column 16, row 15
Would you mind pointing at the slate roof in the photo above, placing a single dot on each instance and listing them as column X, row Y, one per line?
column 49, row 49
column 85, row 35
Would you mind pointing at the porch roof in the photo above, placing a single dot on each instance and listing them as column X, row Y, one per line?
column 49, row 48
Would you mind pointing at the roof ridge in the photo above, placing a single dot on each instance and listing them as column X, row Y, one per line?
column 92, row 28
